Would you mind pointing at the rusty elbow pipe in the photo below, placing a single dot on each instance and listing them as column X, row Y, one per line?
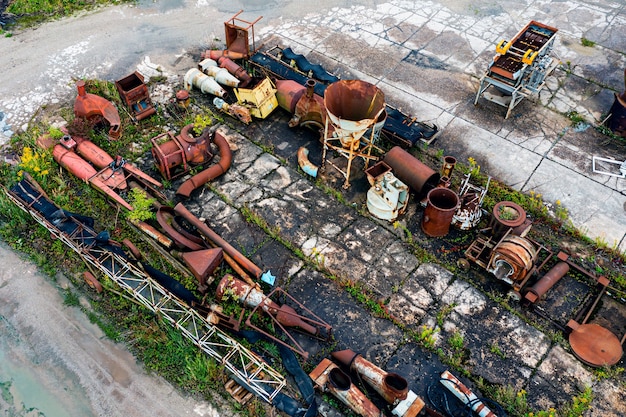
column 391, row 386
column 214, row 171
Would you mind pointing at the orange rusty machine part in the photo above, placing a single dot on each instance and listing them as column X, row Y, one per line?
column 91, row 106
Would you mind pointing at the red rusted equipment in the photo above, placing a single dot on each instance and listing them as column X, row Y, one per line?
column 448, row 166
column 171, row 152
column 549, row 280
column 92, row 281
column 306, row 106
column 235, row 69
column 288, row 92
column 237, row 34
column 92, row 107
column 284, row 316
column 206, row 231
column 103, row 181
column 203, row 263
column 464, row 394
column 593, row 344
column 135, row 95
column 512, row 259
column 392, row 387
column 418, row 176
column 352, row 109
column 441, row 204
column 508, row 215
column 329, row 378
column 102, row 160
column 212, row 172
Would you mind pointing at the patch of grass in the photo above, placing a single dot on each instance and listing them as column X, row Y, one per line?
column 70, row 299
column 425, row 336
column 495, row 349
column 586, row 42
column 443, row 313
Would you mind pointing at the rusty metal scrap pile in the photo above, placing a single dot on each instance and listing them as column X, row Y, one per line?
column 352, row 118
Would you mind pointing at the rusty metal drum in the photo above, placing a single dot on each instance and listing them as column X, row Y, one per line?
column 441, row 204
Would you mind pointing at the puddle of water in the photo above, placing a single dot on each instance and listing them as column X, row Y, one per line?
column 29, row 389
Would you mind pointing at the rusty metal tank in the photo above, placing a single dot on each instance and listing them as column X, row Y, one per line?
column 408, row 169
column 441, row 204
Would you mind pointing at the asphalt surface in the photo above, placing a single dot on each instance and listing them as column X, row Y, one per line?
column 427, row 58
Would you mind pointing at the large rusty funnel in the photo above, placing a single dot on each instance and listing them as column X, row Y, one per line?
column 441, row 205
column 353, row 106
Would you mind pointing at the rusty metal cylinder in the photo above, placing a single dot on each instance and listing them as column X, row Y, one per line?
column 448, row 166
column 441, row 204
column 549, row 280
column 391, row 386
column 411, row 171
column 235, row 69
column 288, row 93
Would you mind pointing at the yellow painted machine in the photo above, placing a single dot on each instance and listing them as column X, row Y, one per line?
column 520, row 66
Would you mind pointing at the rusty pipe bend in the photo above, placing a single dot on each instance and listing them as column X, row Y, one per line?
column 212, row 172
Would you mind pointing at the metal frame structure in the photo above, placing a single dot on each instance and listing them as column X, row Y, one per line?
column 520, row 67
column 241, row 362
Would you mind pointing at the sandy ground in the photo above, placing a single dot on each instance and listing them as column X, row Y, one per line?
column 54, row 362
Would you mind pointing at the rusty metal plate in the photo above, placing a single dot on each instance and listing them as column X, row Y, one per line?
column 595, row 345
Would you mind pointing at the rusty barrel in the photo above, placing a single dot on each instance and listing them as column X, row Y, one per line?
column 441, row 204
column 408, row 169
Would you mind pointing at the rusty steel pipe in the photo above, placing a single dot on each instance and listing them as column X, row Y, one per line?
column 253, row 297
column 204, row 229
column 549, row 280
column 391, row 386
column 235, row 69
column 73, row 163
column 464, row 394
column 154, row 233
column 330, row 378
column 411, row 171
column 214, row 171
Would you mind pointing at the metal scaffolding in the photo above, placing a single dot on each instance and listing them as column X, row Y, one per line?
column 244, row 364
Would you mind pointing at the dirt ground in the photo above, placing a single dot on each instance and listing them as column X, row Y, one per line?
column 55, row 363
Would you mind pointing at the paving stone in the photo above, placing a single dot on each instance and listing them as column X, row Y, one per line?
column 353, row 326
column 564, row 371
column 433, row 277
column 466, row 299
